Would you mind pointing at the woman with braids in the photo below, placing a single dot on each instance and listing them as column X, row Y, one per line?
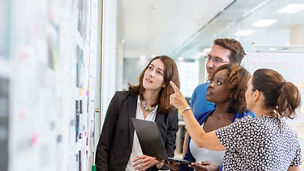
column 227, row 90
column 118, row 148
column 265, row 142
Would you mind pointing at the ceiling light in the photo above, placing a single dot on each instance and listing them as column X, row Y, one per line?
column 198, row 55
column 180, row 59
column 291, row 9
column 153, row 56
column 264, row 23
column 142, row 57
column 207, row 50
column 244, row 32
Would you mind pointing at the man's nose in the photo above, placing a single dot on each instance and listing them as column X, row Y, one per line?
column 210, row 64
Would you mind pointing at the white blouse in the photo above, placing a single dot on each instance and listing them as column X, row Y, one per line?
column 203, row 154
column 136, row 149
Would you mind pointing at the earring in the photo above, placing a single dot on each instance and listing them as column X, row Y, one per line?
column 231, row 102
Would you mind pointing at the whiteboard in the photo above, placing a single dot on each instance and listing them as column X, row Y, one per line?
column 51, row 81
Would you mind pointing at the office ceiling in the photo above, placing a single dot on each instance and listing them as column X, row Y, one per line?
column 185, row 28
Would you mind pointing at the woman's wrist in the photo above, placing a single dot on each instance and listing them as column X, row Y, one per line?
column 185, row 109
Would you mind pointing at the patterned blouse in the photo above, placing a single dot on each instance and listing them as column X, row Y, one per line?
column 259, row 144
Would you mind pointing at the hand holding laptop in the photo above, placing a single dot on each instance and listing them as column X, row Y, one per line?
column 204, row 165
column 144, row 162
column 150, row 140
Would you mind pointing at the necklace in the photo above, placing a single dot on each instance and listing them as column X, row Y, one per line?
column 146, row 108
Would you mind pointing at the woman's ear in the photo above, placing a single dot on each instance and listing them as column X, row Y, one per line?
column 256, row 95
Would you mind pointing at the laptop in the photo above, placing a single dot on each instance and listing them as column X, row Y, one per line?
column 151, row 142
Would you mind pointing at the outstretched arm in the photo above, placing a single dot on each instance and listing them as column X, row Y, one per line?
column 296, row 168
column 198, row 135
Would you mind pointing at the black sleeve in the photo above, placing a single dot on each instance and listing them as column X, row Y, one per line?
column 171, row 135
column 105, row 139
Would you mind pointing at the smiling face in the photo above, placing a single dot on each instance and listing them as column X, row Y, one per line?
column 218, row 56
column 154, row 76
column 218, row 91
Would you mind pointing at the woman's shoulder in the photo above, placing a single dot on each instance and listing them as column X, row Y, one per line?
column 121, row 95
column 246, row 121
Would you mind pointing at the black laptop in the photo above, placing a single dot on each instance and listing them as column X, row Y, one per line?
column 150, row 140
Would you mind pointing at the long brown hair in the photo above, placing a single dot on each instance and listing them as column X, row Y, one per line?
column 237, row 78
column 170, row 74
column 284, row 97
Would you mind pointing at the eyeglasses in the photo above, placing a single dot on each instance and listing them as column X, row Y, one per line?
column 215, row 60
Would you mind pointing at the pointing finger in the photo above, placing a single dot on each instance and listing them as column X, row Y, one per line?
column 175, row 88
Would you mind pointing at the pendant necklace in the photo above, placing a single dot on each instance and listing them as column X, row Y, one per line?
column 146, row 108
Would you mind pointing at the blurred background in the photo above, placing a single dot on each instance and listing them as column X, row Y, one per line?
column 61, row 62
column 186, row 30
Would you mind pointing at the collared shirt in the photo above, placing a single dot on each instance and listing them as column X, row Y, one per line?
column 136, row 149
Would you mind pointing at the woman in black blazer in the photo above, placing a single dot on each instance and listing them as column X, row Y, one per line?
column 118, row 148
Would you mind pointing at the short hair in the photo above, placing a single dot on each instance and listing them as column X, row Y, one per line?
column 235, row 47
column 284, row 97
column 170, row 74
column 237, row 78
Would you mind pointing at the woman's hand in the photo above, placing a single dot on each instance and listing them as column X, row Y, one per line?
column 177, row 99
column 144, row 162
column 204, row 166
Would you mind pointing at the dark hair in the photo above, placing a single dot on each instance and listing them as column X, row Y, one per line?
column 235, row 47
column 237, row 78
column 170, row 74
column 283, row 97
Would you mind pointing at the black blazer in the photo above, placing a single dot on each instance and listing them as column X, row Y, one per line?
column 116, row 139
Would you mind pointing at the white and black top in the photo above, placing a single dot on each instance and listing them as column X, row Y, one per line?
column 204, row 154
column 259, row 144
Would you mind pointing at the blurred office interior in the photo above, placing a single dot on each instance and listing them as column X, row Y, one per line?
column 61, row 62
